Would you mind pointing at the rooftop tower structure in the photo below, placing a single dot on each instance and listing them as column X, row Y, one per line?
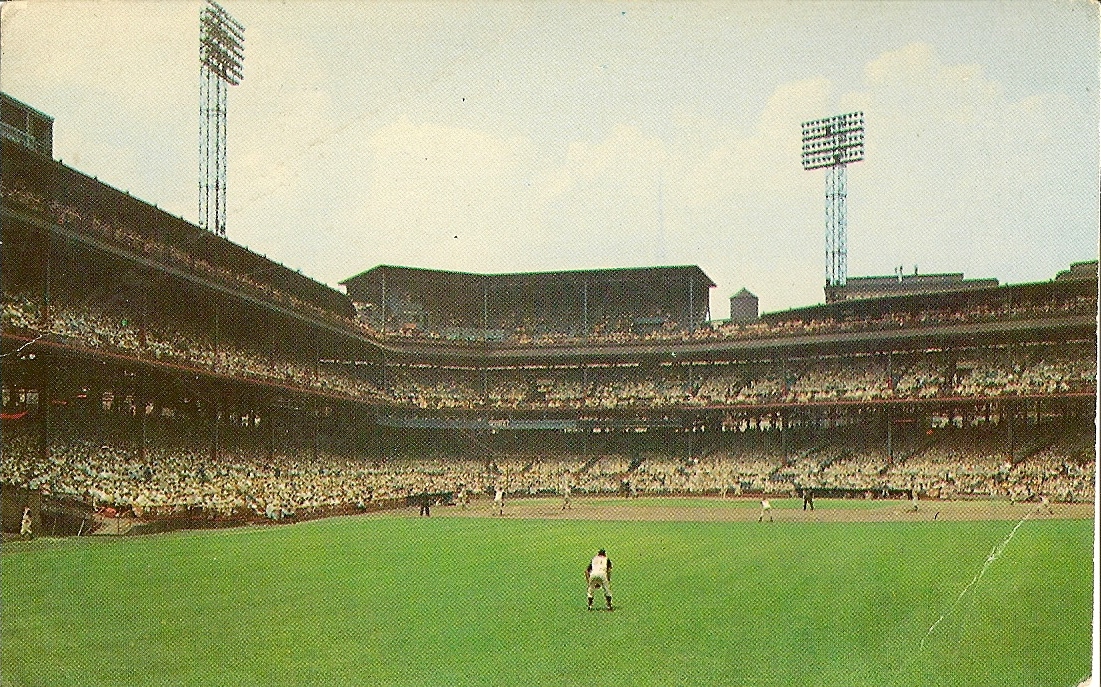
column 833, row 143
column 221, row 54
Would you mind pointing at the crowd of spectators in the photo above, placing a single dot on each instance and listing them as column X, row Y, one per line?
column 724, row 473
column 174, row 474
column 516, row 328
column 623, row 331
column 423, row 387
column 983, row 373
column 91, row 327
column 1054, row 375
column 1056, row 370
column 71, row 217
column 961, row 469
column 178, row 476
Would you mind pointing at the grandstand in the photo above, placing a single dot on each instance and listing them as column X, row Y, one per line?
column 157, row 369
column 27, row 126
column 538, row 306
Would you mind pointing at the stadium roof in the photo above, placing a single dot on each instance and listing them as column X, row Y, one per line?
column 990, row 294
column 627, row 273
column 113, row 206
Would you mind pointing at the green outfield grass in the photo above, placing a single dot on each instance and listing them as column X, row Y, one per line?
column 382, row 600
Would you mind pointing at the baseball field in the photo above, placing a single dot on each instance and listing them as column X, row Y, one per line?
column 855, row 593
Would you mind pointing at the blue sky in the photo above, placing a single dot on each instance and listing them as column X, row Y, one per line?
column 507, row 136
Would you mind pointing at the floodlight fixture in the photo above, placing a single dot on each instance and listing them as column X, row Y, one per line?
column 221, row 43
column 832, row 143
column 836, row 140
column 221, row 58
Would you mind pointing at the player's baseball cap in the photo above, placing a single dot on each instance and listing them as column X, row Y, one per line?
column 601, row 553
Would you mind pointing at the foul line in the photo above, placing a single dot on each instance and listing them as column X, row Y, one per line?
column 40, row 336
column 995, row 553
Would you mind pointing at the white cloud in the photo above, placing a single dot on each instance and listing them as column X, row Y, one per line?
column 422, row 195
column 628, row 156
column 954, row 171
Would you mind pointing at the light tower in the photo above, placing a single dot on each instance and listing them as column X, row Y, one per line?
column 834, row 142
column 221, row 53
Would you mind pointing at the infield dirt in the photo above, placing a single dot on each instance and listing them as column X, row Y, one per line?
column 705, row 509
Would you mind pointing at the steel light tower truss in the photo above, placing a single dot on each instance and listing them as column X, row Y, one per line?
column 833, row 143
column 221, row 54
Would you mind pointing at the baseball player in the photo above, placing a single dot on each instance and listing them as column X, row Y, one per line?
column 566, row 497
column 1045, row 505
column 766, row 507
column 499, row 501
column 599, row 576
column 25, row 525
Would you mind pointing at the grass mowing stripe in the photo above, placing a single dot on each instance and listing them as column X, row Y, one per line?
column 396, row 601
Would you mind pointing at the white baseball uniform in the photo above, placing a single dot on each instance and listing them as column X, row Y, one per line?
column 599, row 574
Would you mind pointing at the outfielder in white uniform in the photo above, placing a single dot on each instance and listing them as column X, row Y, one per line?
column 766, row 507
column 499, row 501
column 599, row 576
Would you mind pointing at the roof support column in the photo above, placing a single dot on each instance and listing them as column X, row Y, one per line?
column 382, row 307
column 585, row 308
column 691, row 304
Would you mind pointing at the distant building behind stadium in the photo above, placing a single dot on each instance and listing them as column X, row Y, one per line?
column 744, row 307
column 492, row 307
column 900, row 284
column 1079, row 270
